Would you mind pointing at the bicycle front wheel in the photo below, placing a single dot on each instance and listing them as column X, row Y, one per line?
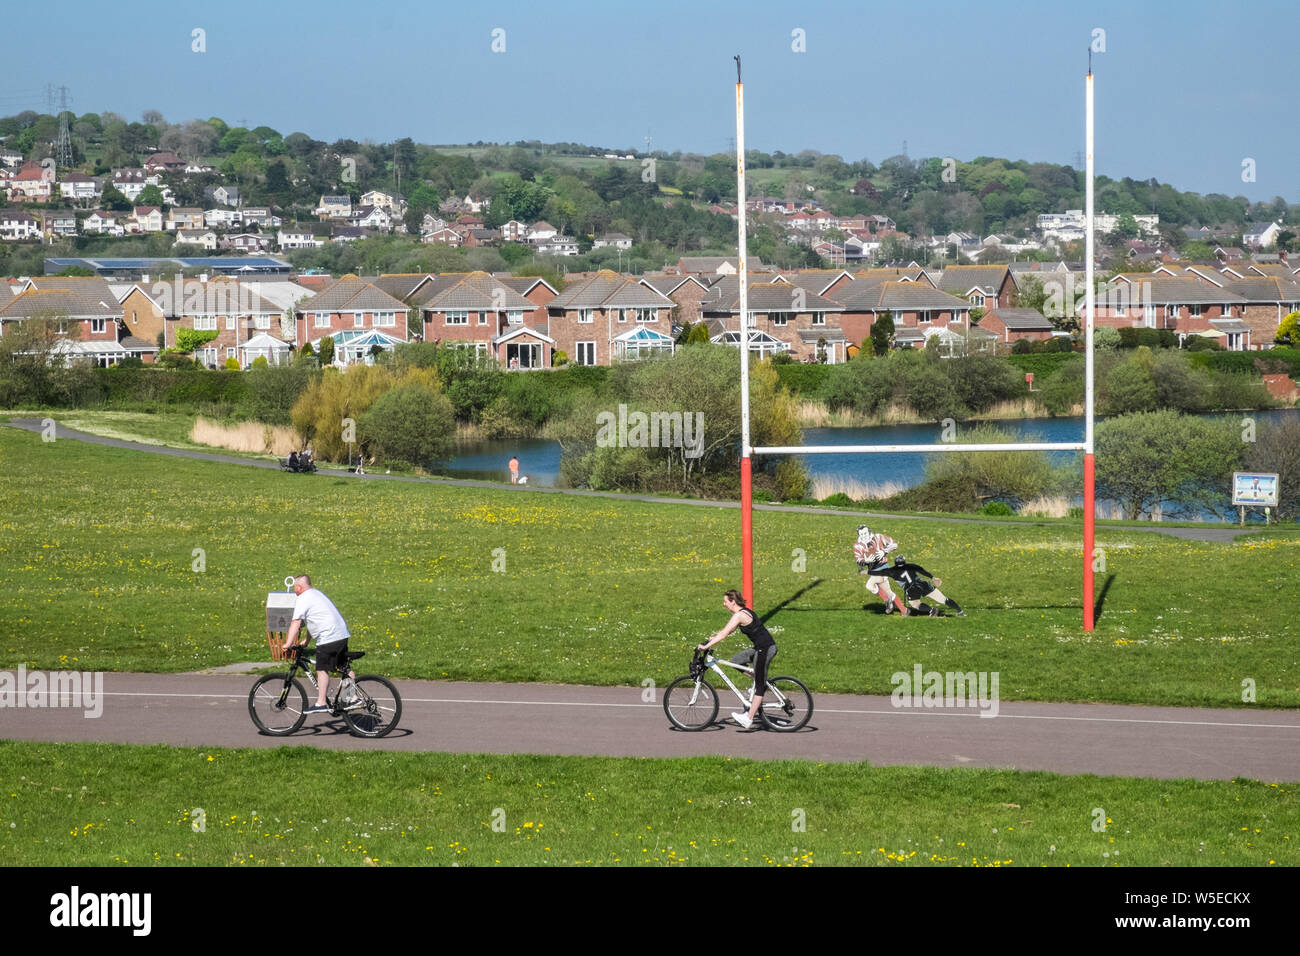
column 787, row 704
column 690, row 704
column 377, row 709
column 277, row 705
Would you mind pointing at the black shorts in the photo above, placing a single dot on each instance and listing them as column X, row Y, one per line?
column 332, row 656
column 919, row 589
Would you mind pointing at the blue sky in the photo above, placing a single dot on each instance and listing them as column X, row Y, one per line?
column 1184, row 92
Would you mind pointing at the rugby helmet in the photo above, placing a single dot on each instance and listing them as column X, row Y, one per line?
column 899, row 560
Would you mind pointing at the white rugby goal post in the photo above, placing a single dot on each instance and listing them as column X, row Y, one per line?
column 748, row 451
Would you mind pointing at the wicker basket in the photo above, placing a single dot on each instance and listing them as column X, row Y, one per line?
column 275, row 642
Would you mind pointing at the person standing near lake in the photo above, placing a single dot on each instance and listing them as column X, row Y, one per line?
column 514, row 470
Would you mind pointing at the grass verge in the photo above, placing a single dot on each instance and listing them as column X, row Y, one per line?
column 111, row 805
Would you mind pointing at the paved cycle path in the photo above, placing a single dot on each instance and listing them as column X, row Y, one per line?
column 1210, row 533
column 211, row 710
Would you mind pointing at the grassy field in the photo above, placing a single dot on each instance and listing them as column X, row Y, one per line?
column 118, row 560
column 115, row 805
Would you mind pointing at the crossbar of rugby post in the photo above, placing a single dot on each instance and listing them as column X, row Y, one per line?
column 895, row 449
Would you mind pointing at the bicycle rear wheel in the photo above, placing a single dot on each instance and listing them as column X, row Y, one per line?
column 378, row 707
column 277, row 705
column 690, row 704
column 787, row 704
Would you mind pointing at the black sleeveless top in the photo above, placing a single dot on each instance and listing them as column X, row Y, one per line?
column 757, row 632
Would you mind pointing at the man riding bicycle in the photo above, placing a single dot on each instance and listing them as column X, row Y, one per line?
column 326, row 626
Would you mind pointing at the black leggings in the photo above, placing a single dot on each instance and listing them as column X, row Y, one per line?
column 760, row 659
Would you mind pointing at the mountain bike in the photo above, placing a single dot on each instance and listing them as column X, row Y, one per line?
column 369, row 704
column 691, row 702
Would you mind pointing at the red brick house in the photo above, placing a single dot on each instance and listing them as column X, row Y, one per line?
column 608, row 318
column 1011, row 324
column 537, row 291
column 1186, row 304
column 223, row 305
column 358, row 315
column 914, row 305
column 476, row 310
column 85, row 319
column 686, row 291
column 987, row 287
column 805, row 323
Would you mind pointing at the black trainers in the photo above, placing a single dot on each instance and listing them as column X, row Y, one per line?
column 318, row 709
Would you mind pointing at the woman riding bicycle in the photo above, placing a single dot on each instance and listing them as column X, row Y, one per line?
column 764, row 647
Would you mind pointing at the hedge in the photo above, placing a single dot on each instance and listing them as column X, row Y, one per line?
column 804, row 379
column 1244, row 362
column 1041, row 365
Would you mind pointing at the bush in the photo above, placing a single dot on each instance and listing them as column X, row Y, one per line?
column 173, row 358
column 559, row 358
column 1245, row 362
column 1042, row 365
column 996, row 508
column 1178, row 385
column 839, row 500
column 1022, row 347
column 805, row 380
column 1229, row 391
column 1011, row 476
column 863, row 385
column 1128, row 388
column 232, row 364
column 953, row 495
column 259, row 362
column 926, row 387
column 791, row 480
column 187, row 340
column 1066, row 388
column 412, row 422
column 702, row 384
column 1200, row 343
column 271, row 391
column 1166, row 461
column 321, row 409
column 1105, row 338
column 981, row 381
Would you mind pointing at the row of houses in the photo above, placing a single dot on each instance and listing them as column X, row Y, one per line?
column 606, row 317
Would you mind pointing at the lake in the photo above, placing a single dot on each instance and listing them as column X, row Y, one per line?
column 539, row 459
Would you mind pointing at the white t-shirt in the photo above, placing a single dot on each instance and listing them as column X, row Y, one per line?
column 321, row 617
